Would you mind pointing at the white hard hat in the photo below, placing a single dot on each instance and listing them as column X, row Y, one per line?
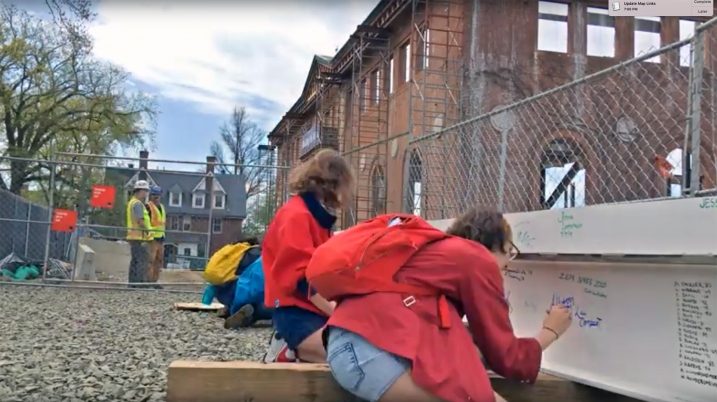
column 141, row 185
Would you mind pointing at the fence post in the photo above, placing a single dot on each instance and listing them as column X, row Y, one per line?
column 51, row 211
column 75, row 236
column 694, row 119
column 268, row 174
column 503, row 160
column 209, row 187
column 210, row 228
column 271, row 191
column 27, row 226
column 83, row 216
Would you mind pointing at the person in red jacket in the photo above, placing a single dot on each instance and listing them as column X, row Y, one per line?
column 319, row 187
column 379, row 349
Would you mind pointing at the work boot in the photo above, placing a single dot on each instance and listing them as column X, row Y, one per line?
column 240, row 319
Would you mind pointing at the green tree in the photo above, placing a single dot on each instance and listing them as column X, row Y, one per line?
column 260, row 211
column 54, row 96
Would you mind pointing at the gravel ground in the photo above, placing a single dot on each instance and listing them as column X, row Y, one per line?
column 105, row 345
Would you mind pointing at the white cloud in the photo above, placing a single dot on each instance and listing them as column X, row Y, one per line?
column 217, row 55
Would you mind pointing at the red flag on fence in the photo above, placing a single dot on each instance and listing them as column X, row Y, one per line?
column 102, row 196
column 64, row 220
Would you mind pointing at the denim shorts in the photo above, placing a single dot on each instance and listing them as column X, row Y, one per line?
column 295, row 324
column 361, row 368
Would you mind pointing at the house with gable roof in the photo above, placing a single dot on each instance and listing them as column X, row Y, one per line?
column 199, row 221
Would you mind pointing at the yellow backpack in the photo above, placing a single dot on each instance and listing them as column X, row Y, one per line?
column 222, row 266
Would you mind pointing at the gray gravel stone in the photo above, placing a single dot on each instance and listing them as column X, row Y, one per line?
column 106, row 345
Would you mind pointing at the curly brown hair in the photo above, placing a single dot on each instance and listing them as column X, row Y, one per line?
column 327, row 175
column 489, row 228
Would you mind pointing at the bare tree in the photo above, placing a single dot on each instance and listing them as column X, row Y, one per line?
column 63, row 10
column 72, row 16
column 239, row 145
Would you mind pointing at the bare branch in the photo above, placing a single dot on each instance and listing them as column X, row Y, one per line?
column 239, row 145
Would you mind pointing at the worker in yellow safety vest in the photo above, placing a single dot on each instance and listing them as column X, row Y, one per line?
column 158, row 221
column 139, row 233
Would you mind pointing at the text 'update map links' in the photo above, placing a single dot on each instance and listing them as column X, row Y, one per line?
column 661, row 8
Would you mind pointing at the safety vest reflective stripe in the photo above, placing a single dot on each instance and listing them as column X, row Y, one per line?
column 134, row 232
column 158, row 219
column 147, row 223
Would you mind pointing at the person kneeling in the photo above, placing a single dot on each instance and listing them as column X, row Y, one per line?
column 302, row 224
column 248, row 304
column 397, row 333
column 242, row 292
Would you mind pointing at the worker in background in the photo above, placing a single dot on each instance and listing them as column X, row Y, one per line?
column 138, row 233
column 157, row 216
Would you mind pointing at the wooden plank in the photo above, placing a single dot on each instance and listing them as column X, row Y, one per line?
column 190, row 381
column 198, row 306
column 552, row 389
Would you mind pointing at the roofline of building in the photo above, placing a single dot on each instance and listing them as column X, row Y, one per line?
column 344, row 56
column 317, row 60
column 371, row 20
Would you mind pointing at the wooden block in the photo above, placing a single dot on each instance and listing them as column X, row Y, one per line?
column 552, row 389
column 190, row 381
column 198, row 306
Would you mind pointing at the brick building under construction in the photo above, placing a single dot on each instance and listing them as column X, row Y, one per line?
column 416, row 67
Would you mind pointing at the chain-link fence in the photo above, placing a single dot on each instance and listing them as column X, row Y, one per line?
column 26, row 240
column 644, row 129
column 68, row 221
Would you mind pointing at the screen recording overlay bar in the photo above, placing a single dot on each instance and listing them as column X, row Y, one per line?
column 661, row 8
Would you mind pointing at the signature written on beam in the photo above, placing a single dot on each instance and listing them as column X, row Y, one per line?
column 523, row 236
column 517, row 274
column 583, row 318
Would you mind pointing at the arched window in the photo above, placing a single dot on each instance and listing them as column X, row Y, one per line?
column 414, row 181
column 675, row 182
column 378, row 191
column 562, row 176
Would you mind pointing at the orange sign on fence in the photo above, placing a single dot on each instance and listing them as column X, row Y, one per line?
column 102, row 196
column 64, row 220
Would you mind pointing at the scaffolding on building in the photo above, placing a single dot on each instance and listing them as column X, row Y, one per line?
column 435, row 102
column 287, row 154
column 329, row 107
column 365, row 142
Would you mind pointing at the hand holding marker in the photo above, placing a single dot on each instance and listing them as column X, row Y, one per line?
column 558, row 319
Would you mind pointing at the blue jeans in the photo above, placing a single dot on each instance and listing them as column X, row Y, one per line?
column 361, row 368
column 295, row 324
column 225, row 293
